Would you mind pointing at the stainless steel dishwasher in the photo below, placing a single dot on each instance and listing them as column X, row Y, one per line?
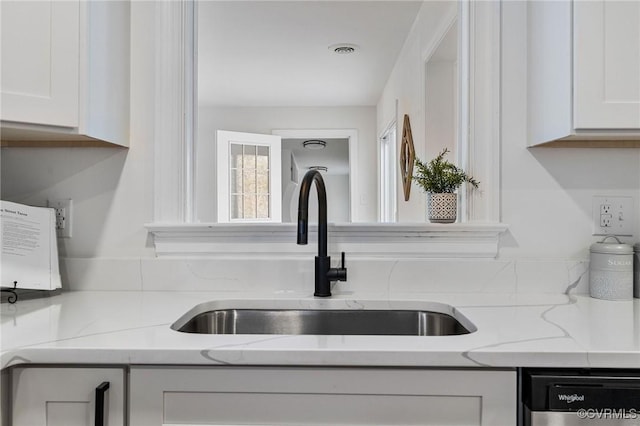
column 581, row 397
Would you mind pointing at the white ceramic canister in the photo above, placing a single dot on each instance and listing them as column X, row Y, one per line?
column 636, row 270
column 611, row 270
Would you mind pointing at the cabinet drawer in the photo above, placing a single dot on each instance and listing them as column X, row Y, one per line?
column 345, row 396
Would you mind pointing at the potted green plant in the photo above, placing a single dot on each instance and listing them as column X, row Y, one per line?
column 440, row 178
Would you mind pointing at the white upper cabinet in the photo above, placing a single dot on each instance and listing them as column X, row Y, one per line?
column 607, row 64
column 40, row 61
column 584, row 70
column 65, row 71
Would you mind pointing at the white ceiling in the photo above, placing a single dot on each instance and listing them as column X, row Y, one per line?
column 275, row 53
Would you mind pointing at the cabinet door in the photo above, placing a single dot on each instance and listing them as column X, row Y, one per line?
column 66, row 396
column 40, row 61
column 606, row 64
column 321, row 396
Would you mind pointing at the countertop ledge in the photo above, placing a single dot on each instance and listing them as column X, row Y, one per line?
column 132, row 328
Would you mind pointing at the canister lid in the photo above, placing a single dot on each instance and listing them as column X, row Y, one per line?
column 611, row 248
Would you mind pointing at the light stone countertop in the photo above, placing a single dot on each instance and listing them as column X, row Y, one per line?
column 513, row 330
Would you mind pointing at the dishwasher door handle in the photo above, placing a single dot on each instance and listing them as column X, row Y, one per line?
column 578, row 418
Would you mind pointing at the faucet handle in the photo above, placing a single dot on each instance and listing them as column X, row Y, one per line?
column 338, row 274
column 341, row 272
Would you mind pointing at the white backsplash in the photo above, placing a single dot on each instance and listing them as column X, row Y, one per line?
column 385, row 277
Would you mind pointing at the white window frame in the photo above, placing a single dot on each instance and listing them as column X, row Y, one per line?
column 175, row 232
column 224, row 139
column 388, row 178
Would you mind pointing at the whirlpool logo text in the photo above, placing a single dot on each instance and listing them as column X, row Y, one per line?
column 570, row 398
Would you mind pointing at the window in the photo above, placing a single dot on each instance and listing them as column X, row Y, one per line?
column 249, row 181
column 249, row 187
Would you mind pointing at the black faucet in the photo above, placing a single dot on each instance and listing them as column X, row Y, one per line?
column 324, row 272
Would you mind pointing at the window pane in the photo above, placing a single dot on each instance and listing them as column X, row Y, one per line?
column 263, row 158
column 263, row 206
column 249, row 156
column 236, row 156
column 262, row 180
column 236, row 181
column 249, row 181
column 236, row 207
column 249, row 207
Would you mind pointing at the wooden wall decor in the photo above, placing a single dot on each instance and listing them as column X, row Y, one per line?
column 407, row 157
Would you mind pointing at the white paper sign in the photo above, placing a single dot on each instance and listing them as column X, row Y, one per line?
column 29, row 247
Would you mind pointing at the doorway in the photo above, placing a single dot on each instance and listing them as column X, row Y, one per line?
column 333, row 152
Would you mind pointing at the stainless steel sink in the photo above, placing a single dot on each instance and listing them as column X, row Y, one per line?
column 324, row 322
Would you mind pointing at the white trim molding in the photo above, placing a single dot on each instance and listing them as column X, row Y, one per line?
column 175, row 117
column 480, row 121
column 273, row 240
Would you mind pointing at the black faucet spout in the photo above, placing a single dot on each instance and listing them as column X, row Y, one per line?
column 303, row 210
column 324, row 274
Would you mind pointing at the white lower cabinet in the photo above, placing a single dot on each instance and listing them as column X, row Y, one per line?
column 321, row 396
column 67, row 396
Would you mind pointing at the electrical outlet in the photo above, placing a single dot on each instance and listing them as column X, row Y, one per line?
column 612, row 215
column 63, row 210
column 605, row 220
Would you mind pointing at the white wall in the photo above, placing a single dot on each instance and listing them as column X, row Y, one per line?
column 266, row 119
column 111, row 188
column 337, row 187
column 441, row 109
column 337, row 198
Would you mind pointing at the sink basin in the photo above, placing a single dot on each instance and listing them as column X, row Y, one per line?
column 382, row 322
